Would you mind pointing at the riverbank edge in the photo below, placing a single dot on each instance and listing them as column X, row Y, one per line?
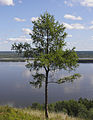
column 81, row 60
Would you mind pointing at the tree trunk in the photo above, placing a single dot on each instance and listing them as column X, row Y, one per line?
column 46, row 95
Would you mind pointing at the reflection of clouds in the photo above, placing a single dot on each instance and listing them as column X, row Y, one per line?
column 13, row 65
column 72, row 88
column 91, row 79
column 27, row 74
column 91, row 65
column 57, row 74
column 75, row 86
column 61, row 74
column 38, row 90
column 18, row 64
column 80, row 79
column 20, row 86
column 29, row 88
column 68, row 88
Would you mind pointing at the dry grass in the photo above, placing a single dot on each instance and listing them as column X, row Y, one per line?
column 52, row 116
column 8, row 113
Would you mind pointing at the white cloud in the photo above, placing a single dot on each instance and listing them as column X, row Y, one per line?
column 20, row 1
column 7, row 2
column 26, row 30
column 69, row 36
column 91, row 27
column 92, row 37
column 88, row 3
column 65, row 2
column 4, row 42
column 34, row 19
column 68, row 26
column 78, row 26
column 74, row 26
column 68, row 3
column 19, row 20
column 91, row 22
column 68, row 16
column 20, row 39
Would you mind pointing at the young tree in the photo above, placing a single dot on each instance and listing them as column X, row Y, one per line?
column 49, row 53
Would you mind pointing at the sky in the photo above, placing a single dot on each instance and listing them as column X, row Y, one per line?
column 16, row 18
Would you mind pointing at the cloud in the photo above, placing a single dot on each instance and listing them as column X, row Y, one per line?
column 34, row 19
column 26, row 31
column 68, row 16
column 20, row 39
column 91, row 22
column 91, row 27
column 19, row 20
column 68, row 3
column 7, row 2
column 20, row 1
column 68, row 26
column 92, row 37
column 69, row 36
column 74, row 26
column 4, row 42
column 88, row 3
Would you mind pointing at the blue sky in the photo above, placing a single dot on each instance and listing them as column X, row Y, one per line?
column 16, row 18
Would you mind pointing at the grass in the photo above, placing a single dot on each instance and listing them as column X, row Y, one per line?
column 9, row 113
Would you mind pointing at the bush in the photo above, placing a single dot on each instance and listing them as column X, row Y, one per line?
column 51, row 107
column 82, row 108
column 82, row 111
column 37, row 106
column 91, row 114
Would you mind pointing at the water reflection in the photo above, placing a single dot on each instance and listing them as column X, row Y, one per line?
column 15, row 89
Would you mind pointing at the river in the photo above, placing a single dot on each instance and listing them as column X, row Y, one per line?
column 15, row 89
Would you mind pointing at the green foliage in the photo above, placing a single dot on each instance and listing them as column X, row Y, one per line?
column 69, row 78
column 91, row 114
column 51, row 107
column 82, row 111
column 39, row 78
column 37, row 106
column 70, row 106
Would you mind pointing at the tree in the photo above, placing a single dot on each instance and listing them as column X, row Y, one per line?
column 49, row 53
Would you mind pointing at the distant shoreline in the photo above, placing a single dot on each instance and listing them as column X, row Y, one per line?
column 12, row 59
column 81, row 60
column 85, row 60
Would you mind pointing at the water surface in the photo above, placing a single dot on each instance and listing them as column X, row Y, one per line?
column 15, row 88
